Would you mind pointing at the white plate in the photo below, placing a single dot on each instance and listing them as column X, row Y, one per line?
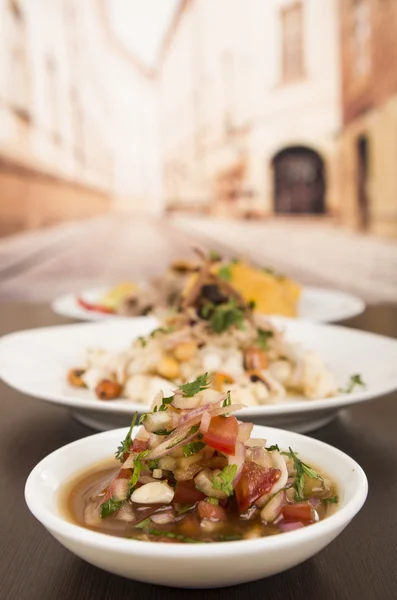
column 36, row 361
column 316, row 304
column 192, row 565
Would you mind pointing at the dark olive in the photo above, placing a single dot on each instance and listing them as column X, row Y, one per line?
column 212, row 293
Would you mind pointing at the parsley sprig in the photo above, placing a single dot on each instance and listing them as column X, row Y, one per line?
column 227, row 401
column 194, row 387
column 355, row 381
column 125, row 445
column 192, row 448
column 222, row 316
column 109, row 507
column 264, row 335
column 225, row 272
column 137, row 469
column 301, row 470
column 224, row 480
column 331, row 500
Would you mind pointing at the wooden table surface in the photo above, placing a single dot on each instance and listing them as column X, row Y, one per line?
column 360, row 563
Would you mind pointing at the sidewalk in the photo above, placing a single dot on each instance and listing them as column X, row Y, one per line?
column 40, row 265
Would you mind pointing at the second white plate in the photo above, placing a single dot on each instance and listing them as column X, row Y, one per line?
column 316, row 304
column 36, row 361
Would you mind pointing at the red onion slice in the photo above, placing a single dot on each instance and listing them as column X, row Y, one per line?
column 291, row 526
column 194, row 413
column 315, row 502
column 177, row 438
column 205, row 422
column 163, row 516
column 272, row 509
column 226, row 409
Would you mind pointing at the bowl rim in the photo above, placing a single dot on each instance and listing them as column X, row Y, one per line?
column 85, row 537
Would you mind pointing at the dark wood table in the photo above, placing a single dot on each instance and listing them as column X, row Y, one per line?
column 361, row 563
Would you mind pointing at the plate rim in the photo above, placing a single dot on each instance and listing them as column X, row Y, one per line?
column 76, row 312
column 126, row 406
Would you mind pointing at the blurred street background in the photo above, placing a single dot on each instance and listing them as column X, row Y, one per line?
column 132, row 130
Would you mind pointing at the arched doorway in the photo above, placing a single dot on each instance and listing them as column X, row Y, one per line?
column 299, row 181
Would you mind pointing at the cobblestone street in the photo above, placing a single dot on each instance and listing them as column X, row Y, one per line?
column 38, row 266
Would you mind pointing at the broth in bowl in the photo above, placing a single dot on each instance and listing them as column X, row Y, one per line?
column 194, row 474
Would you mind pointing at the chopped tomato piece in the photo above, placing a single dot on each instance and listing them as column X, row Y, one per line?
column 94, row 307
column 222, row 434
column 255, row 481
column 139, row 445
column 298, row 512
column 186, row 493
column 213, row 512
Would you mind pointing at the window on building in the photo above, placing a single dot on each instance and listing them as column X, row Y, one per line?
column 18, row 89
column 292, row 42
column 361, row 37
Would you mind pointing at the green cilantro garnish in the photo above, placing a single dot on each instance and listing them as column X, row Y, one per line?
column 263, row 337
column 163, row 432
column 192, row 448
column 301, row 469
column 194, row 387
column 332, row 500
column 125, row 445
column 178, row 440
column 225, row 273
column 227, row 401
column 223, row 316
column 164, row 404
column 355, row 380
column 252, row 304
column 214, row 255
column 272, row 448
column 213, row 501
column 142, row 341
column 143, row 524
column 224, row 480
column 174, row 536
column 109, row 507
column 137, row 469
column 154, row 464
column 165, row 330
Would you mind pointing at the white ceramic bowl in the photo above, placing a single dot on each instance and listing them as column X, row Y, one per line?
column 192, row 566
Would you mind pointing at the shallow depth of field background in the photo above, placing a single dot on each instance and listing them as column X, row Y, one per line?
column 140, row 127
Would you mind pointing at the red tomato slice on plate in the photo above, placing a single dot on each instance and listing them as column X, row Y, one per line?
column 222, row 434
column 298, row 512
column 94, row 307
column 255, row 481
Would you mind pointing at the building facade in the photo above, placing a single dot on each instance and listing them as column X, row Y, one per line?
column 250, row 107
column 369, row 95
column 78, row 128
